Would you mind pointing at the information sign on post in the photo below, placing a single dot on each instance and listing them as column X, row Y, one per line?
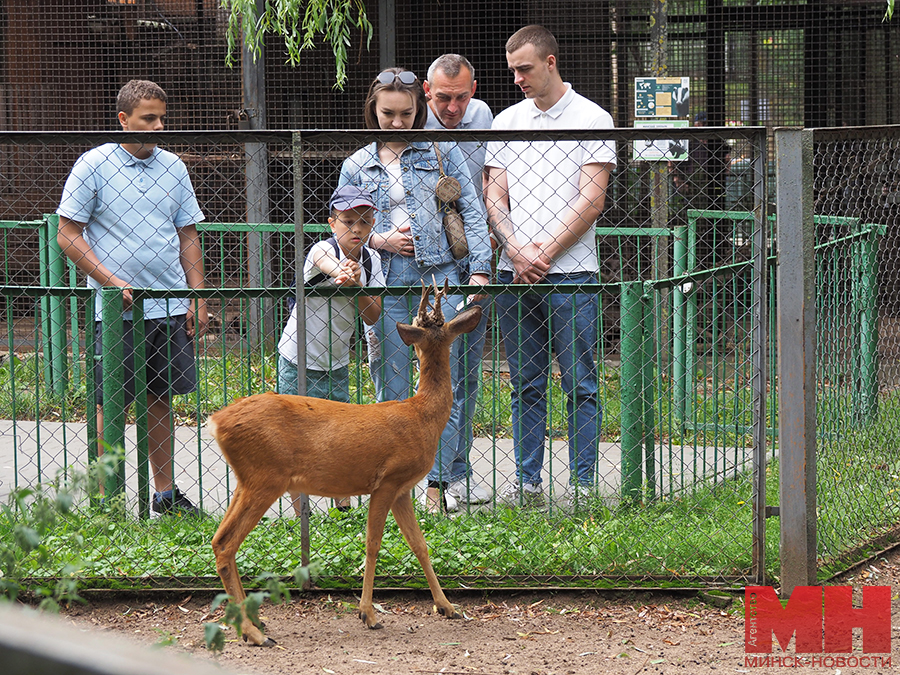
column 660, row 150
column 662, row 96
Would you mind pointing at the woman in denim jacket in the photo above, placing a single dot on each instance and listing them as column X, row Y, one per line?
column 409, row 234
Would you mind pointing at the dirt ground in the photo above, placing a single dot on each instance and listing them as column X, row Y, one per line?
column 528, row 632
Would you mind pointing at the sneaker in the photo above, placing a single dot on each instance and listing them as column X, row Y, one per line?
column 172, row 502
column 432, row 506
column 471, row 492
column 530, row 495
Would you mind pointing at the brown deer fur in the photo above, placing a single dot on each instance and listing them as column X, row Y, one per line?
column 277, row 443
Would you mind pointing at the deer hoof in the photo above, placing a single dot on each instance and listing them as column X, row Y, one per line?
column 449, row 612
column 365, row 619
column 269, row 642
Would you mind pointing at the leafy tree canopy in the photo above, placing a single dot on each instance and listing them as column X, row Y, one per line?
column 300, row 23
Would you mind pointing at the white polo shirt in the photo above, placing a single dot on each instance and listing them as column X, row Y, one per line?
column 543, row 176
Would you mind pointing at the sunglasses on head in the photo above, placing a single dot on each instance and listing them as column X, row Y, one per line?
column 405, row 77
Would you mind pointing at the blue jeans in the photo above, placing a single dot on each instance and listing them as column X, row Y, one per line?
column 531, row 324
column 333, row 385
column 469, row 350
column 392, row 362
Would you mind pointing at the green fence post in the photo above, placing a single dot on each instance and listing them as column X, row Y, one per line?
column 113, row 359
column 684, row 316
column 865, row 314
column 140, row 406
column 46, row 331
column 680, row 344
column 632, row 435
column 56, row 268
column 647, row 392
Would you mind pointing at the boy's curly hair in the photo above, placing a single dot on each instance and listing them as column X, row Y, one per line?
column 136, row 91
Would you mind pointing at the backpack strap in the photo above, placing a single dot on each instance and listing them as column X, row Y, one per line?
column 321, row 276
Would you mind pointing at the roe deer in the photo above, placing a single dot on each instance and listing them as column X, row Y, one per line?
column 277, row 443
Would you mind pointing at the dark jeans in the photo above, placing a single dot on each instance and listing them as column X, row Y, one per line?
column 531, row 324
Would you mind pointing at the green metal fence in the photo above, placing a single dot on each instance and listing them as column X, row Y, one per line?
column 688, row 443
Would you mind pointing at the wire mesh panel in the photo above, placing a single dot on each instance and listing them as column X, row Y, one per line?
column 857, row 196
column 750, row 63
column 675, row 348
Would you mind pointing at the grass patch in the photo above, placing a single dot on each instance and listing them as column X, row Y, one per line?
column 704, row 533
column 706, row 536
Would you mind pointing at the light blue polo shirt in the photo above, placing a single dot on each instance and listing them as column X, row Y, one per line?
column 132, row 210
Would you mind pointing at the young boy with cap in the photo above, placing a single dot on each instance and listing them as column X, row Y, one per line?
column 341, row 260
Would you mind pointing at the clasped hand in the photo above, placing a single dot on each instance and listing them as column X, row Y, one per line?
column 398, row 240
column 531, row 263
column 349, row 273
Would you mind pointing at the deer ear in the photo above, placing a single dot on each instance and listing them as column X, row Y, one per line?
column 465, row 321
column 409, row 334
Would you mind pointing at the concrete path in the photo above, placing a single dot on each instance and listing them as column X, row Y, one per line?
column 30, row 453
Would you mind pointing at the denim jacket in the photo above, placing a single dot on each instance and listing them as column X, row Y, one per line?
column 420, row 173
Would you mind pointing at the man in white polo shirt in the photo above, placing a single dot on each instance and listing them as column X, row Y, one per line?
column 449, row 89
column 542, row 199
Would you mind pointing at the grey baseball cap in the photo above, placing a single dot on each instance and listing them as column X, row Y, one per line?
column 349, row 197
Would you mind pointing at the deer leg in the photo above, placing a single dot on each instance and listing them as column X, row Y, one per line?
column 241, row 517
column 405, row 516
column 379, row 505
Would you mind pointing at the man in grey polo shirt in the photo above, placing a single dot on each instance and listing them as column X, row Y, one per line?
column 449, row 89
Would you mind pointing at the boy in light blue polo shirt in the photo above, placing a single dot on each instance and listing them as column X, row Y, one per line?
column 127, row 218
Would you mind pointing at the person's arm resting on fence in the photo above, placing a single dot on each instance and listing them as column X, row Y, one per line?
column 347, row 272
column 192, row 263
column 70, row 237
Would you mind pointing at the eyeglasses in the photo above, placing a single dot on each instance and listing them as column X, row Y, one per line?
column 405, row 76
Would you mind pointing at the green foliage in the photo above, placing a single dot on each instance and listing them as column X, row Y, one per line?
column 300, row 24
column 30, row 525
column 889, row 12
column 214, row 636
column 277, row 591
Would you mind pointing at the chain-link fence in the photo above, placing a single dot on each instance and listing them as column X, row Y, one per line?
column 857, row 204
column 652, row 451
column 750, row 63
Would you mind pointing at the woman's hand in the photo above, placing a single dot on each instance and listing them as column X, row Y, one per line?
column 396, row 240
column 478, row 280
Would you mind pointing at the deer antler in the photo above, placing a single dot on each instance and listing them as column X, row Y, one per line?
column 422, row 317
column 438, row 296
column 436, row 316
